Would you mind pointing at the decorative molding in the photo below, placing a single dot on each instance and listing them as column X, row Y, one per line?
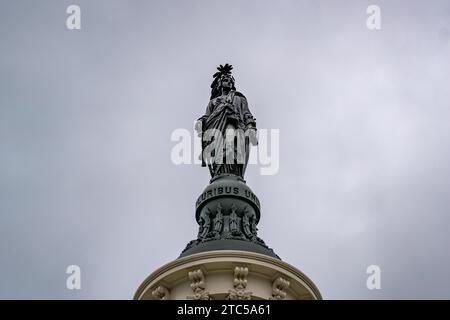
column 240, row 284
column 216, row 223
column 161, row 293
column 204, row 222
column 198, row 286
column 278, row 289
column 249, row 223
column 234, row 225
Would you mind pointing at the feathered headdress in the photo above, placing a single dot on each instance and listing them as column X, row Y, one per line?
column 222, row 71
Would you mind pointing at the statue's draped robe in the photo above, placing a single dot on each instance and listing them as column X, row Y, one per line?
column 222, row 113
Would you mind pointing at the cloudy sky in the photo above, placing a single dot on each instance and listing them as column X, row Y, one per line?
column 86, row 117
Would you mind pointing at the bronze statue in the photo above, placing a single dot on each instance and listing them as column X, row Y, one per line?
column 226, row 128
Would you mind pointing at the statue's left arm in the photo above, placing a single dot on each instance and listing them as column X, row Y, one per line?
column 249, row 121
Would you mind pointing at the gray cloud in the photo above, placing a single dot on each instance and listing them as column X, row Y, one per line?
column 86, row 118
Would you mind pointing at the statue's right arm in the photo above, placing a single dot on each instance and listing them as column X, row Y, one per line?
column 204, row 117
column 208, row 111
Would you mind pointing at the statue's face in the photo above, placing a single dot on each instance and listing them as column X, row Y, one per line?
column 226, row 82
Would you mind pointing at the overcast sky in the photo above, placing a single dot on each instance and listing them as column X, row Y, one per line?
column 86, row 118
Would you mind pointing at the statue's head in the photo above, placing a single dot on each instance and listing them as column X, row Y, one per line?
column 222, row 79
column 226, row 81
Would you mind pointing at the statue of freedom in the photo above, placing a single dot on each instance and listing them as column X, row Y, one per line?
column 226, row 128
